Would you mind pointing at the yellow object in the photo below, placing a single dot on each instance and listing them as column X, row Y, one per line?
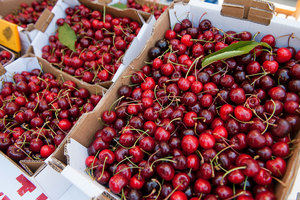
column 9, row 36
column 294, row 13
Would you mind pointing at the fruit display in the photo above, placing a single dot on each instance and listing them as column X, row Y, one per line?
column 5, row 56
column 152, row 8
column 102, row 40
column 184, row 130
column 37, row 112
column 29, row 13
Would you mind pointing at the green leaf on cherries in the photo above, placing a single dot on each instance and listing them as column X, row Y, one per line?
column 120, row 6
column 233, row 50
column 67, row 36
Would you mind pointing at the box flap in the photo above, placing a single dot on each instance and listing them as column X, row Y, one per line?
column 76, row 154
column 246, row 9
column 19, row 65
column 2, row 70
column 44, row 20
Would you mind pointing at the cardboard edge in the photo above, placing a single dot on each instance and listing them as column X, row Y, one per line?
column 44, row 20
column 29, row 166
column 29, row 172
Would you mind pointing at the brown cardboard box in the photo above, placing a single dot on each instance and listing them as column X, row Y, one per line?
column 10, row 6
column 143, row 18
column 258, row 11
column 34, row 167
column 91, row 123
column 149, row 3
column 26, row 34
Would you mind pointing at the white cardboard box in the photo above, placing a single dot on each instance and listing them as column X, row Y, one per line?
column 134, row 50
column 77, row 153
column 47, row 185
column 46, row 180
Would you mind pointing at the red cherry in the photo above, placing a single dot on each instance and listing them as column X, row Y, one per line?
column 206, row 140
column 178, row 195
column 65, row 124
column 283, row 55
column 189, row 144
column 186, row 40
column 220, row 133
column 90, row 161
column 270, row 66
column 47, row 150
column 202, row 186
column 276, row 166
column 117, row 183
column 242, row 113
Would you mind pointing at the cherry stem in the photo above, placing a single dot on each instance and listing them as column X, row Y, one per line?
column 279, row 181
column 159, row 187
column 195, row 61
column 119, row 99
column 102, row 169
column 220, row 153
column 250, row 122
column 162, row 159
column 237, row 195
column 168, row 197
column 229, row 171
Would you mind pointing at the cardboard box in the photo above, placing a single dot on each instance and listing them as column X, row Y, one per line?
column 71, row 157
column 26, row 34
column 47, row 185
column 12, row 55
column 148, row 3
column 132, row 52
column 42, row 174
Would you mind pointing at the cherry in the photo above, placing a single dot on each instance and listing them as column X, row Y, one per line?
column 170, row 34
column 281, row 129
column 47, row 150
column 236, row 177
column 265, row 195
column 269, row 39
column 65, row 124
column 165, row 171
column 15, row 153
column 263, row 177
column 206, row 140
column 202, row 186
column 283, row 55
column 237, row 95
column 276, row 166
column 109, row 117
column 252, row 167
column 136, row 182
column 280, row 149
column 117, row 183
column 255, row 139
column 181, row 181
column 206, row 171
column 270, row 66
column 242, row 113
column 162, row 134
column 36, row 145
column 220, row 133
column 190, row 119
column 224, row 192
column 90, row 161
column 178, row 195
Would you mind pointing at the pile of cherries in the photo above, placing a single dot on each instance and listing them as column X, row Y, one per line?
column 153, row 9
column 180, row 131
column 100, row 47
column 36, row 113
column 5, row 56
column 29, row 14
